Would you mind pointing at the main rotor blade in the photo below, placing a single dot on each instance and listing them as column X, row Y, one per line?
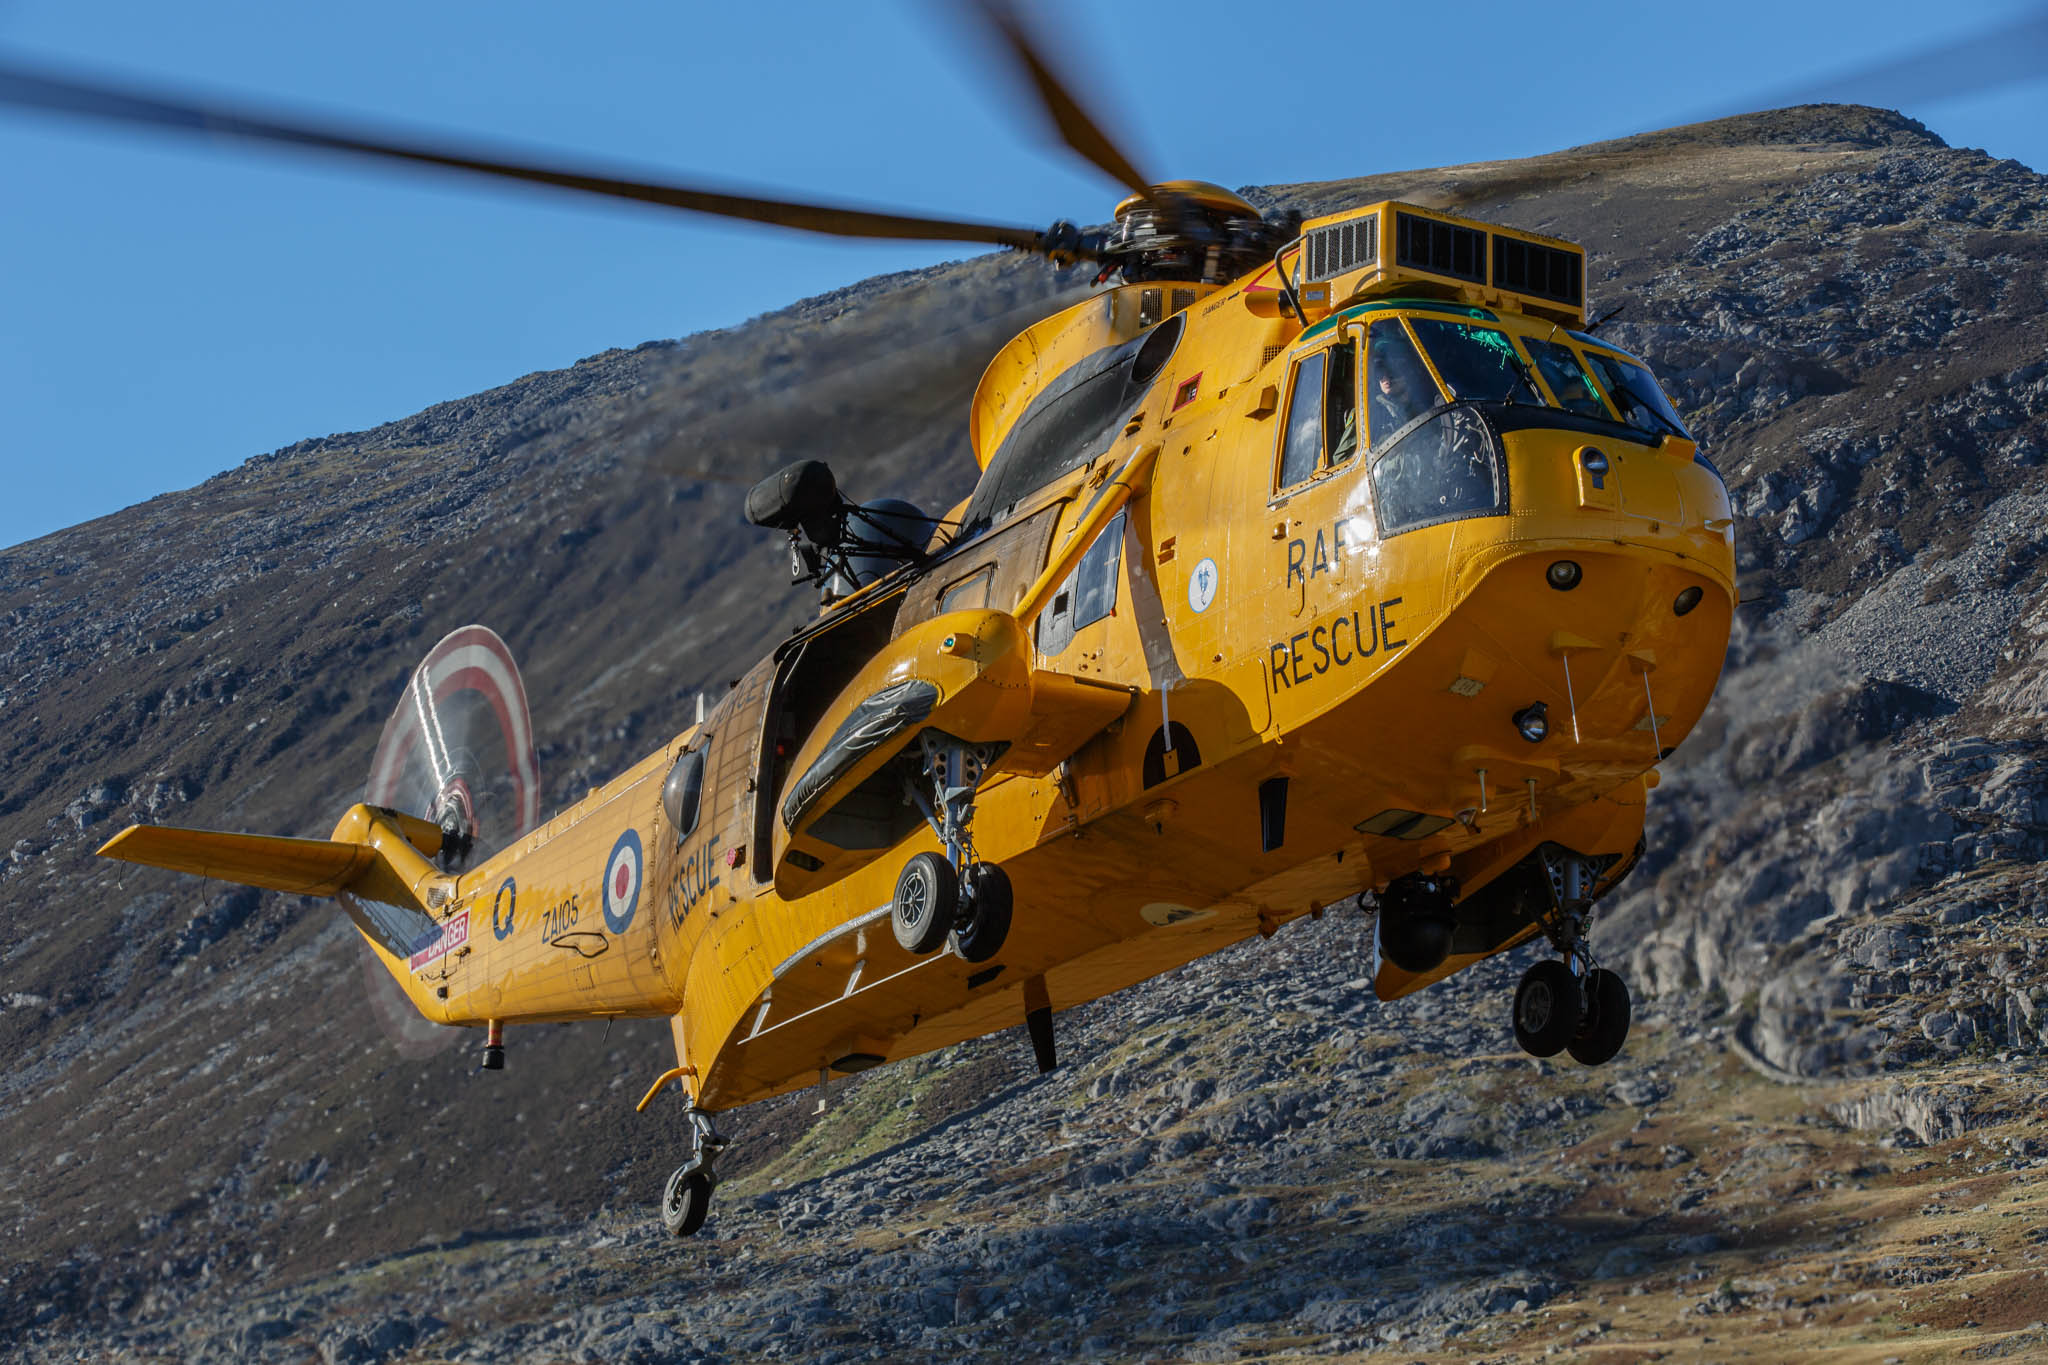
column 1076, row 127
column 899, row 388
column 2012, row 52
column 24, row 88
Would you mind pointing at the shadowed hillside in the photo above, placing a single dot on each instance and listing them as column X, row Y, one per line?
column 1825, row 1123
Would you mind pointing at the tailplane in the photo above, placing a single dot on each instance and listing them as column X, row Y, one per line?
column 379, row 873
column 305, row 867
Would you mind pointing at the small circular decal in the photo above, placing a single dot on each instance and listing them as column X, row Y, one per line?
column 503, row 908
column 1202, row 586
column 622, row 882
column 1163, row 914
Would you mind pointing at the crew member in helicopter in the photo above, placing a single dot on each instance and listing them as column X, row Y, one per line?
column 1443, row 467
column 1400, row 390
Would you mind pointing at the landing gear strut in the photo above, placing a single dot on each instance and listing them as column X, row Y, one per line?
column 686, row 1199
column 1572, row 1005
column 951, row 895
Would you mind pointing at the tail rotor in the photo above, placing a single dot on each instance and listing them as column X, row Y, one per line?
column 458, row 750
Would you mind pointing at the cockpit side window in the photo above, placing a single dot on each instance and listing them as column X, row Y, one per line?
column 1636, row 396
column 1322, row 415
column 1477, row 363
column 1565, row 375
column 1340, row 406
column 1303, row 444
column 1398, row 388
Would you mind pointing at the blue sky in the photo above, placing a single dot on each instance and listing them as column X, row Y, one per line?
column 169, row 310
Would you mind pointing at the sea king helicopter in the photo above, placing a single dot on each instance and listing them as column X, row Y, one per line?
column 1309, row 560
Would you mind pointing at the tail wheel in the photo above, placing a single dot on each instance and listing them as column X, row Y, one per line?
column 927, row 899
column 1605, row 1027
column 1548, row 1008
column 685, row 1201
column 987, row 920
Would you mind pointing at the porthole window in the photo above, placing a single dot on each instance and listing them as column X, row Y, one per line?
column 682, row 794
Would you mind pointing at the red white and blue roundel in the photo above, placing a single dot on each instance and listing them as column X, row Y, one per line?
column 622, row 882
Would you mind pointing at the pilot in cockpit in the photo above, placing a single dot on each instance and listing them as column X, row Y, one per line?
column 1400, row 390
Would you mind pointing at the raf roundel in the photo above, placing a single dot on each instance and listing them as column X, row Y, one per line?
column 622, row 882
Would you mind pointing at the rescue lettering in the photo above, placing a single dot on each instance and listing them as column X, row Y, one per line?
column 1354, row 636
column 694, row 881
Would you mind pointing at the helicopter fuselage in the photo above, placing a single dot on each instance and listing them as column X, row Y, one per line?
column 1288, row 670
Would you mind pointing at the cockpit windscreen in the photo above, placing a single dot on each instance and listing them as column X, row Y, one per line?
column 1477, row 363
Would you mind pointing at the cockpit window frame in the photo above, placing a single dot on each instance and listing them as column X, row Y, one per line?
column 1443, row 380
column 1671, row 421
column 1586, row 377
column 1331, row 456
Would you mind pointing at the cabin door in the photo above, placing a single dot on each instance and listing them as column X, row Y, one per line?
column 807, row 675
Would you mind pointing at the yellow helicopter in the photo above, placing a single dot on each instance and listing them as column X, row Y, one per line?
column 1308, row 560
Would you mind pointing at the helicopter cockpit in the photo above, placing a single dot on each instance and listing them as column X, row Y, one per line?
column 1441, row 385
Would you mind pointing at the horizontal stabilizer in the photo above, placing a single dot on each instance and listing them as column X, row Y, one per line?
column 306, row 867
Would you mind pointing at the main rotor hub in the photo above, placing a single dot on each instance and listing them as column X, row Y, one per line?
column 1200, row 194
column 1191, row 230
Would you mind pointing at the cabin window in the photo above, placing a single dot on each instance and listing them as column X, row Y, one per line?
column 1400, row 389
column 1566, row 377
column 1477, row 363
column 1088, row 595
column 1636, row 396
column 969, row 592
column 1322, row 415
column 682, row 795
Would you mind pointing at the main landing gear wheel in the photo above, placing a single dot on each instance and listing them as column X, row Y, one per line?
column 1548, row 1008
column 984, row 920
column 951, row 892
column 926, row 904
column 685, row 1201
column 1605, row 1027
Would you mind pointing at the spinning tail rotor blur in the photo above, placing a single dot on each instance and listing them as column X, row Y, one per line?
column 458, row 750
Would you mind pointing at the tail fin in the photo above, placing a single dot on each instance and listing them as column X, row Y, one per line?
column 378, row 873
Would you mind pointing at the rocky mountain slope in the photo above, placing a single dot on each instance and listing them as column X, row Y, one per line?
column 1825, row 1124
